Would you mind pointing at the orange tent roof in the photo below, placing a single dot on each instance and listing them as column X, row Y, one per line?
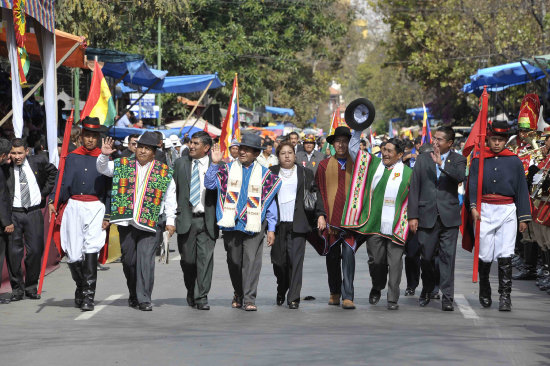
column 63, row 42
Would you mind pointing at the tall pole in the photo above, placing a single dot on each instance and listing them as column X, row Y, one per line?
column 76, row 95
column 159, row 96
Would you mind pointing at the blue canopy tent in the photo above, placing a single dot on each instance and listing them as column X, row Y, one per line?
column 281, row 111
column 180, row 84
column 418, row 113
column 134, row 72
column 500, row 77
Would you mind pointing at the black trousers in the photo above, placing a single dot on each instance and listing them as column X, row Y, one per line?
column 28, row 235
column 287, row 256
column 412, row 261
column 341, row 260
column 196, row 248
column 431, row 240
column 138, row 261
column 4, row 239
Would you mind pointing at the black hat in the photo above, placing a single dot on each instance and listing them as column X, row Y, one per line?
column 498, row 128
column 92, row 124
column 252, row 141
column 359, row 114
column 149, row 138
column 339, row 131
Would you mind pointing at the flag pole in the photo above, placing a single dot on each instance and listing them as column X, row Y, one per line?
column 481, row 149
column 64, row 153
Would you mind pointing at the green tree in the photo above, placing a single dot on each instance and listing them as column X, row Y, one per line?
column 286, row 47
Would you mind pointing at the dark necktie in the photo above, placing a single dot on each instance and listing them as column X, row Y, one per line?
column 24, row 187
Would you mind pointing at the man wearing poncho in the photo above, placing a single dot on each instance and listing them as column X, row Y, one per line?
column 377, row 206
column 243, row 209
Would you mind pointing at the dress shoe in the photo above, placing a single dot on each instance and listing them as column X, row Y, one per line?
column 280, row 300
column 447, row 306
column 374, row 296
column 32, row 295
column 525, row 274
column 203, row 307
column 294, row 305
column 392, row 305
column 334, row 299
column 424, row 299
column 102, row 268
column 5, row 301
column 16, row 297
column 145, row 306
column 348, row 304
column 435, row 296
column 191, row 301
column 409, row 291
column 133, row 303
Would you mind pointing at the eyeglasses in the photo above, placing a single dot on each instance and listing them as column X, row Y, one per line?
column 439, row 139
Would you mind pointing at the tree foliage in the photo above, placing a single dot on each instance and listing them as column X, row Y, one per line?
column 286, row 47
column 442, row 42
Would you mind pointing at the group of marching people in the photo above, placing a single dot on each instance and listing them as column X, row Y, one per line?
column 336, row 203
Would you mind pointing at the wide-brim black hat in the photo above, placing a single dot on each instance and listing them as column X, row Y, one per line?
column 360, row 114
column 339, row 131
column 499, row 128
column 149, row 138
column 92, row 124
column 252, row 141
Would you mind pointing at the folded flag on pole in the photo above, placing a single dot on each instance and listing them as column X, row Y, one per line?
column 100, row 102
column 230, row 126
column 426, row 133
column 19, row 24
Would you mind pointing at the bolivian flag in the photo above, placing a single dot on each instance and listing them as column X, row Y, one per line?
column 100, row 102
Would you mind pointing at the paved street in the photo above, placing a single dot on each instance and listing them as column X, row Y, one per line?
column 51, row 331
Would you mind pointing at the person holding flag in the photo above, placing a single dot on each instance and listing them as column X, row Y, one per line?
column 83, row 212
column 504, row 203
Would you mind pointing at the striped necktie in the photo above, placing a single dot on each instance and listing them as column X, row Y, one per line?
column 24, row 188
column 195, row 191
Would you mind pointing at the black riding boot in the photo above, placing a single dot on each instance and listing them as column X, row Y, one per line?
column 90, row 279
column 76, row 273
column 484, row 268
column 505, row 283
column 529, row 270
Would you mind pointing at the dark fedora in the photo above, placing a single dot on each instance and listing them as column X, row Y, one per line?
column 499, row 128
column 149, row 138
column 359, row 114
column 92, row 124
column 339, row 131
column 251, row 140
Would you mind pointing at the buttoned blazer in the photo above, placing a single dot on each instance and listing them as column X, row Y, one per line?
column 44, row 173
column 184, row 213
column 430, row 197
column 5, row 203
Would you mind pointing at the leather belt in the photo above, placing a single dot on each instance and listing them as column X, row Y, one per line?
column 25, row 210
column 198, row 214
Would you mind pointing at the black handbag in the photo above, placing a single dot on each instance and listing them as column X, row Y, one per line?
column 310, row 198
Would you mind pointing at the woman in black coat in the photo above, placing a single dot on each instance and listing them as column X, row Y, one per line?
column 287, row 253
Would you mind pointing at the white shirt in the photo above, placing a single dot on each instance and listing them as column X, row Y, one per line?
column 34, row 190
column 287, row 194
column 169, row 202
column 267, row 162
column 309, row 156
column 203, row 167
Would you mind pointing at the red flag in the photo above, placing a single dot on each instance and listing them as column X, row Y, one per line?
column 473, row 138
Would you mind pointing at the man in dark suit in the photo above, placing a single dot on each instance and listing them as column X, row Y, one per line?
column 30, row 181
column 196, row 220
column 6, row 225
column 295, row 139
column 434, row 211
column 309, row 158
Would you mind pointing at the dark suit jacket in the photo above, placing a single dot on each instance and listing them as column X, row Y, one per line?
column 302, row 221
column 313, row 164
column 5, row 205
column 184, row 214
column 44, row 172
column 430, row 197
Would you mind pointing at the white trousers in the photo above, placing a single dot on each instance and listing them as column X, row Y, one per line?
column 81, row 229
column 497, row 237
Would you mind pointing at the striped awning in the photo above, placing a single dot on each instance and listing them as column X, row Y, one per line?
column 41, row 10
